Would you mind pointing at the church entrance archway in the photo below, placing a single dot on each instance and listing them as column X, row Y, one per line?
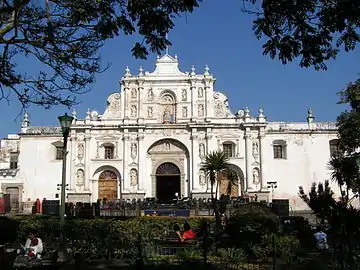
column 168, row 182
column 108, row 186
column 235, row 188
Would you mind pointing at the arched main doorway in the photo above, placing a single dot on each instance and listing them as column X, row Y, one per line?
column 167, row 182
column 108, row 186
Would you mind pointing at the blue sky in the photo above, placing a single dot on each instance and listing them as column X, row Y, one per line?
column 221, row 36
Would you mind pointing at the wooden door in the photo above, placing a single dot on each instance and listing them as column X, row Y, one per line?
column 108, row 186
column 14, row 198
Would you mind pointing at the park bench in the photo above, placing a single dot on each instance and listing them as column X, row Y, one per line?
column 170, row 246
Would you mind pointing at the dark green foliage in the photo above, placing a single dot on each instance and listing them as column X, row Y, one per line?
column 312, row 30
column 300, row 228
column 9, row 226
column 64, row 37
column 320, row 199
column 248, row 225
column 348, row 122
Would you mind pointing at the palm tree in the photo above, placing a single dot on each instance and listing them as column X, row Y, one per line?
column 345, row 172
column 215, row 166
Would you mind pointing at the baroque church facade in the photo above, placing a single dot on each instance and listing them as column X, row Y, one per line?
column 152, row 138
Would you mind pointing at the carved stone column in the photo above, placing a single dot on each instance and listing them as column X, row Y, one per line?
column 206, row 90
column 116, row 149
column 139, row 95
column 194, row 155
column 125, row 176
column 263, row 185
column 193, row 100
column 237, row 154
column 141, row 161
column 208, row 138
column 124, row 98
column 72, row 162
column 87, row 161
column 97, row 150
column 248, row 147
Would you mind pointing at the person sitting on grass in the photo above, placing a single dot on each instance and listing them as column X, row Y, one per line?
column 188, row 233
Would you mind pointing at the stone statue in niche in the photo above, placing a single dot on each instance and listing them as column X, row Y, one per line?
column 150, row 94
column 201, row 150
column 133, row 111
column 133, row 150
column 201, row 110
column 202, row 178
column 150, row 112
column 200, row 92
column 184, row 95
column 81, row 151
column 80, row 178
column 133, row 177
column 133, row 93
column 255, row 149
column 166, row 117
column 256, row 176
column 184, row 112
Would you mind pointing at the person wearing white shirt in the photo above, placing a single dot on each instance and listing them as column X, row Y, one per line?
column 37, row 249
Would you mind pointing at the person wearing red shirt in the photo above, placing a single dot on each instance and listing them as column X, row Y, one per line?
column 188, row 233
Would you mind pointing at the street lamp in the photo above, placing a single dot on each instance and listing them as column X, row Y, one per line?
column 272, row 185
column 65, row 122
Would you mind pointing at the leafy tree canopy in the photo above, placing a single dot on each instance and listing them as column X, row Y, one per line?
column 348, row 122
column 312, row 30
column 64, row 36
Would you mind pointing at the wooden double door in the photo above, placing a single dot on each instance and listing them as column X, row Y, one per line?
column 108, row 186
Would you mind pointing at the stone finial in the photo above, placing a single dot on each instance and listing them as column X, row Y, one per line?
column 261, row 112
column 141, row 71
column 158, row 57
column 310, row 117
column 25, row 122
column 74, row 113
column 207, row 69
column 88, row 114
column 192, row 70
column 176, row 57
column 261, row 116
column 246, row 112
column 127, row 72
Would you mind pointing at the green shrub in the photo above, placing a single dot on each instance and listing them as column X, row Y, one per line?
column 233, row 256
column 249, row 224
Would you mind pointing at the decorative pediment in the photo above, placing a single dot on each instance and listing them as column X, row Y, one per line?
column 166, row 146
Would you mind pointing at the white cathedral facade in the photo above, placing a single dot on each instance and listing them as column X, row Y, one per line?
column 151, row 140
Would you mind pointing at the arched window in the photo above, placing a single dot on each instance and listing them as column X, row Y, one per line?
column 279, row 148
column 334, row 148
